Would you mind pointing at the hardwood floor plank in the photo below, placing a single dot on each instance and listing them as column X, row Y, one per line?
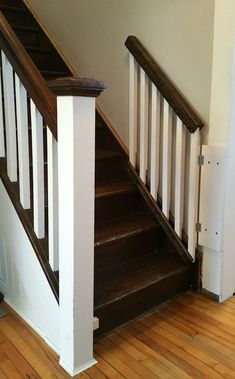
column 144, row 366
column 114, row 359
column 107, row 369
column 195, row 345
column 159, row 357
column 190, row 338
column 16, row 362
column 95, row 373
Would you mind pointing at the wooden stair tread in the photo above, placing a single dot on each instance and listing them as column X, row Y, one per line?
column 13, row 9
column 55, row 74
column 113, row 285
column 105, row 154
column 113, row 230
column 109, row 189
column 43, row 50
column 25, row 28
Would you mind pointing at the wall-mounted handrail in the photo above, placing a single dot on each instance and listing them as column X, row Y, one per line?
column 168, row 90
column 28, row 73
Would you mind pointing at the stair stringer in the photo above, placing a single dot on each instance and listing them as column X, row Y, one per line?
column 22, row 280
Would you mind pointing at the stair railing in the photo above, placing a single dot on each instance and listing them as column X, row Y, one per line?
column 28, row 106
column 164, row 142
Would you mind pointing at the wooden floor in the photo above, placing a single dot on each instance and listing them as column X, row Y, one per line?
column 192, row 337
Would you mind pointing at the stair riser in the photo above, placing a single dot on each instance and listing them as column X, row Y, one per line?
column 11, row 3
column 129, row 307
column 19, row 18
column 46, row 61
column 116, row 206
column 32, row 38
column 121, row 251
column 110, row 170
column 105, row 141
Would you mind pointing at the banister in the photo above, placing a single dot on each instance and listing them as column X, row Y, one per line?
column 29, row 75
column 168, row 90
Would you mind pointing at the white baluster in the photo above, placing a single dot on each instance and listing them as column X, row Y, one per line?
column 143, row 125
column 23, row 143
column 38, row 172
column 2, row 142
column 193, row 191
column 166, row 158
column 9, row 105
column 179, row 175
column 132, row 110
column 155, row 141
column 53, row 232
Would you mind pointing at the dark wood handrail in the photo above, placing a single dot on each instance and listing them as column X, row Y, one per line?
column 168, row 90
column 76, row 86
column 29, row 75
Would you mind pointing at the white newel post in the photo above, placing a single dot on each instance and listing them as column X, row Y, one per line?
column 76, row 170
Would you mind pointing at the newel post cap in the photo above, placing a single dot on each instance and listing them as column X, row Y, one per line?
column 76, row 86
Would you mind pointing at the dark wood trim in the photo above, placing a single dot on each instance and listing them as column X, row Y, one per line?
column 197, row 281
column 168, row 90
column 35, row 242
column 163, row 221
column 76, row 86
column 28, row 73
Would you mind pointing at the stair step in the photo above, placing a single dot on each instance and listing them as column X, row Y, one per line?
column 31, row 36
column 112, row 189
column 130, row 290
column 109, row 167
column 47, row 74
column 17, row 15
column 46, row 58
column 123, row 227
column 115, row 200
column 11, row 3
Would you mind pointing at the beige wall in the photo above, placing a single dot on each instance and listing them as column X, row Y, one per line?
column 178, row 33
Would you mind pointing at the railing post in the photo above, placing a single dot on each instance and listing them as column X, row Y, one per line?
column 76, row 167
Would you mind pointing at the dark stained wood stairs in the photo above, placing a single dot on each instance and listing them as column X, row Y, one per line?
column 137, row 264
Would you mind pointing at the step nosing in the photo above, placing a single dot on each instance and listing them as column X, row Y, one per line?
column 114, row 192
column 13, row 9
column 26, row 28
column 132, row 292
column 119, row 237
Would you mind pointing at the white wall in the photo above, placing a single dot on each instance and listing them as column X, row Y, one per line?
column 22, row 280
column 221, row 84
column 228, row 258
column 179, row 34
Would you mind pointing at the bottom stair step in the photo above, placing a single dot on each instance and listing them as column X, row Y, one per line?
column 133, row 289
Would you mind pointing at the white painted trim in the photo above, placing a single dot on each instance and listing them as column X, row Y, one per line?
column 35, row 327
column 155, row 141
column 53, row 217
column 38, row 171
column 228, row 243
column 10, row 120
column 143, row 125
column 23, row 142
column 166, row 157
column 76, row 228
column 79, row 369
column 2, row 140
column 132, row 110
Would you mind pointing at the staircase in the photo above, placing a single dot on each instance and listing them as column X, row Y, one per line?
column 139, row 262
